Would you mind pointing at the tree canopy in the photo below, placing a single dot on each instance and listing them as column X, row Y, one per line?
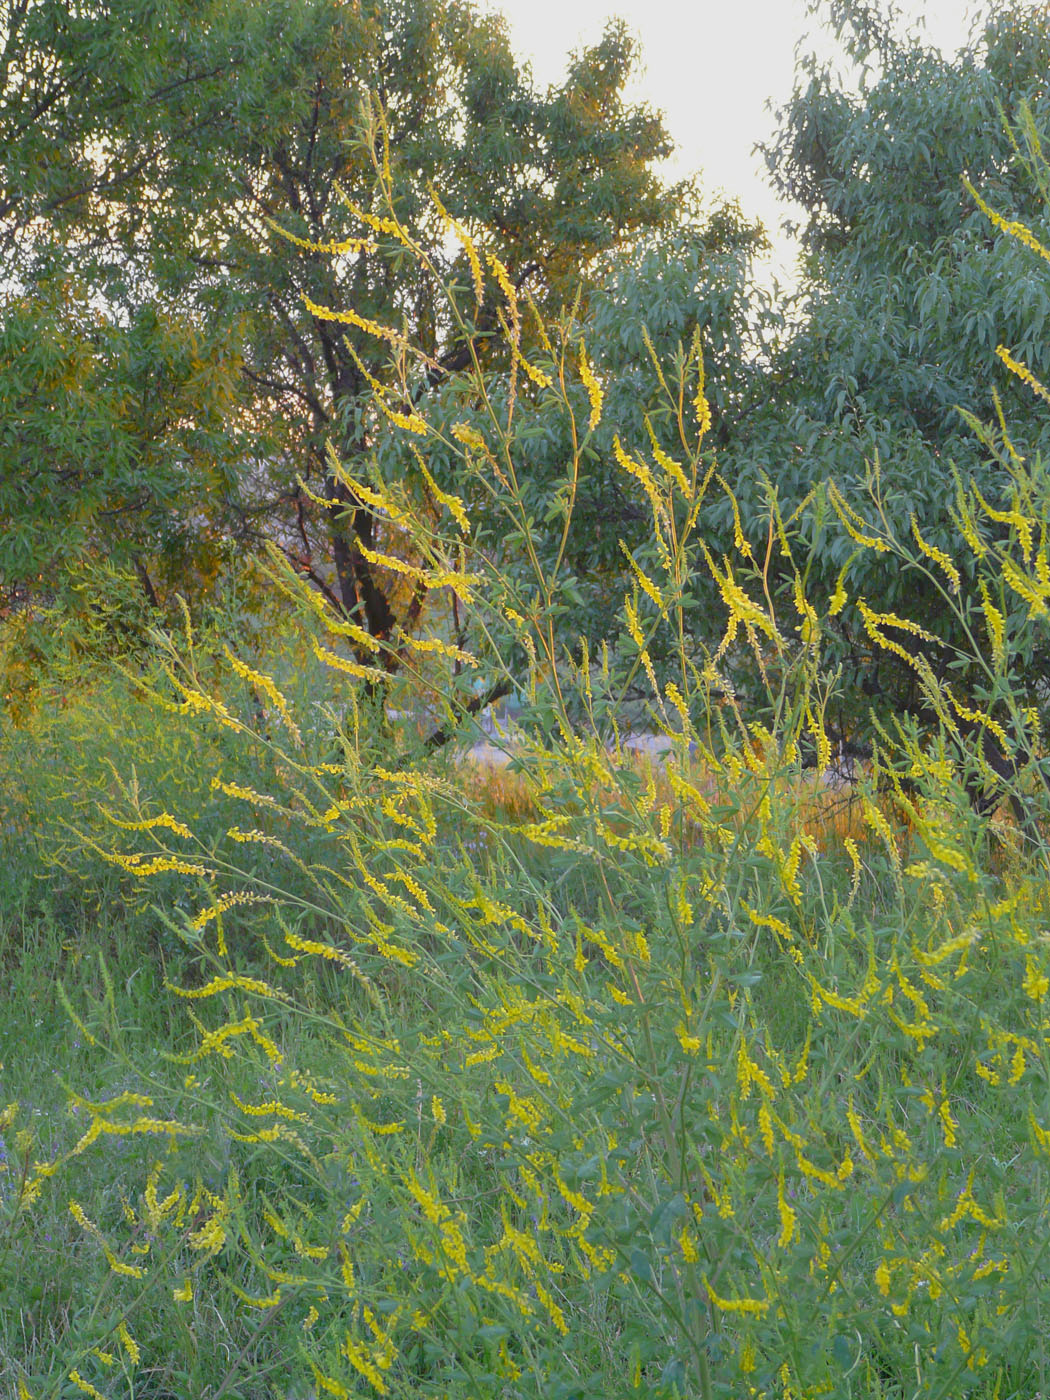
column 173, row 155
column 906, row 290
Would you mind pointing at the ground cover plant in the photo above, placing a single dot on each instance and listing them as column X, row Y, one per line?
column 366, row 1083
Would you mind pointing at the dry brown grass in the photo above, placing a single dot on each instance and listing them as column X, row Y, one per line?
column 827, row 813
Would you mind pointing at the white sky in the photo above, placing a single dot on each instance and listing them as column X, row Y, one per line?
column 711, row 66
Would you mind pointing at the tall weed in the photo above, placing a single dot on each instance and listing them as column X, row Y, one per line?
column 638, row 1088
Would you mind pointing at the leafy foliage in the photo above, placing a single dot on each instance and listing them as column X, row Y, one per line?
column 114, row 442
column 247, row 127
column 907, row 289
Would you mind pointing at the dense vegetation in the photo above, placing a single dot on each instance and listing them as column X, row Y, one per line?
column 350, row 385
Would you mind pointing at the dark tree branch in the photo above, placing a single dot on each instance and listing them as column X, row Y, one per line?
column 439, row 737
column 158, row 94
column 147, row 585
column 278, row 386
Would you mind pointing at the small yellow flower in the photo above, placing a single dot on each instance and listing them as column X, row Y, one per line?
column 129, row 1343
column 687, row 1241
column 1036, row 983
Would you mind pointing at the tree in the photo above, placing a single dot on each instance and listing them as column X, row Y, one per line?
column 907, row 289
column 429, row 92
column 269, row 124
column 121, row 434
column 114, row 441
column 75, row 77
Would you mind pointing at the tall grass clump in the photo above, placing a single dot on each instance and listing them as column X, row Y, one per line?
column 645, row 1086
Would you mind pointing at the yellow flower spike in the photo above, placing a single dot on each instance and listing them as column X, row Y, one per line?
column 689, row 1043
column 788, row 1217
column 351, row 318
column 436, row 646
column 361, row 1360
column 633, row 625
column 937, row 556
column 272, row 1108
column 1025, row 587
column 325, row 502
column 740, row 543
column 266, row 685
column 477, row 274
column 237, row 897
column 809, row 628
column 410, row 422
column 351, row 668
column 1036, row 983
column 507, row 288
column 554, row 1312
column 127, row 1099
column 594, row 389
column 210, row 1237
column 874, row 622
column 996, row 625
column 150, row 824
column 700, row 403
column 815, row 1173
column 839, row 597
column 328, row 1384
column 469, row 437
column 223, row 984
column 129, row 1344
column 852, row 523
column 1011, row 227
column 85, row 1386
column 967, row 1208
column 335, row 247
column 1014, row 517
column 644, row 477
column 648, row 586
column 765, row 1127
column 670, row 466
column 752, row 1307
column 139, row 866
column 453, row 504
column 539, row 377
column 975, row 716
column 855, row 1128
column 688, row 1245
column 965, row 516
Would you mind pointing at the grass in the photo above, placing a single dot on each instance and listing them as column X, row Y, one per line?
column 719, row 1154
